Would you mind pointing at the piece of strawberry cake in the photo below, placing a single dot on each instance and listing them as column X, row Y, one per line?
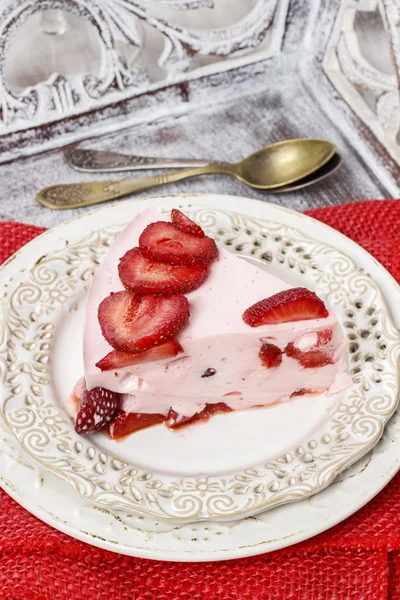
column 178, row 329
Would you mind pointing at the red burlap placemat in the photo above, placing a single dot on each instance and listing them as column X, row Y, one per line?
column 358, row 559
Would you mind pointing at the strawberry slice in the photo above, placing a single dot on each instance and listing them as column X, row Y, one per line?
column 147, row 277
column 296, row 304
column 96, row 408
column 313, row 359
column 185, row 224
column 133, row 323
column 163, row 242
column 126, row 423
column 301, row 392
column 175, row 421
column 324, row 337
column 270, row 356
column 119, row 360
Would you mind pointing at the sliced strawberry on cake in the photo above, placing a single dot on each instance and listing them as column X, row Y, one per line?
column 180, row 329
column 144, row 276
column 118, row 360
column 133, row 323
column 164, row 242
column 288, row 306
column 185, row 224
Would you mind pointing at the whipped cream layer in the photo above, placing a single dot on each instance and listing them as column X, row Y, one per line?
column 216, row 337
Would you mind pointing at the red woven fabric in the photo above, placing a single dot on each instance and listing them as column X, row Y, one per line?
column 356, row 560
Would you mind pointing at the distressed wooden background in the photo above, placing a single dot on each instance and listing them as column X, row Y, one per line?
column 227, row 116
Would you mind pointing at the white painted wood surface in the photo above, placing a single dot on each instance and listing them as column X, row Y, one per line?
column 61, row 63
column 302, row 91
column 362, row 60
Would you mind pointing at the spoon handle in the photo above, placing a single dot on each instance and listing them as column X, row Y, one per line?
column 95, row 161
column 77, row 195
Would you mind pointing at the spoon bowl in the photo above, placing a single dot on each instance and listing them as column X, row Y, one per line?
column 283, row 163
column 326, row 170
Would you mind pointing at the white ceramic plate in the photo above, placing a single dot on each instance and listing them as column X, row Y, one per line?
column 47, row 341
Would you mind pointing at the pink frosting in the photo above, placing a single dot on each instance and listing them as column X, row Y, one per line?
column 216, row 337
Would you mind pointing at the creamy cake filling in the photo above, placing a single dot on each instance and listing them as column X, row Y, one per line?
column 220, row 361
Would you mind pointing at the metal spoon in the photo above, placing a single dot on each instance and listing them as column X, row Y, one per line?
column 96, row 161
column 273, row 167
column 325, row 171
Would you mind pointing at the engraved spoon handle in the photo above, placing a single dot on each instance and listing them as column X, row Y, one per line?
column 77, row 195
column 95, row 161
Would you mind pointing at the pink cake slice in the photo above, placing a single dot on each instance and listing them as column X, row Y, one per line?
column 215, row 340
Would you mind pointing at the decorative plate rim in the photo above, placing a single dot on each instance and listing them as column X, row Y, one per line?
column 383, row 462
column 145, row 491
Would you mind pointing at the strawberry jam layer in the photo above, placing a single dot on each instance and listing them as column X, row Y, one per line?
column 126, row 423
